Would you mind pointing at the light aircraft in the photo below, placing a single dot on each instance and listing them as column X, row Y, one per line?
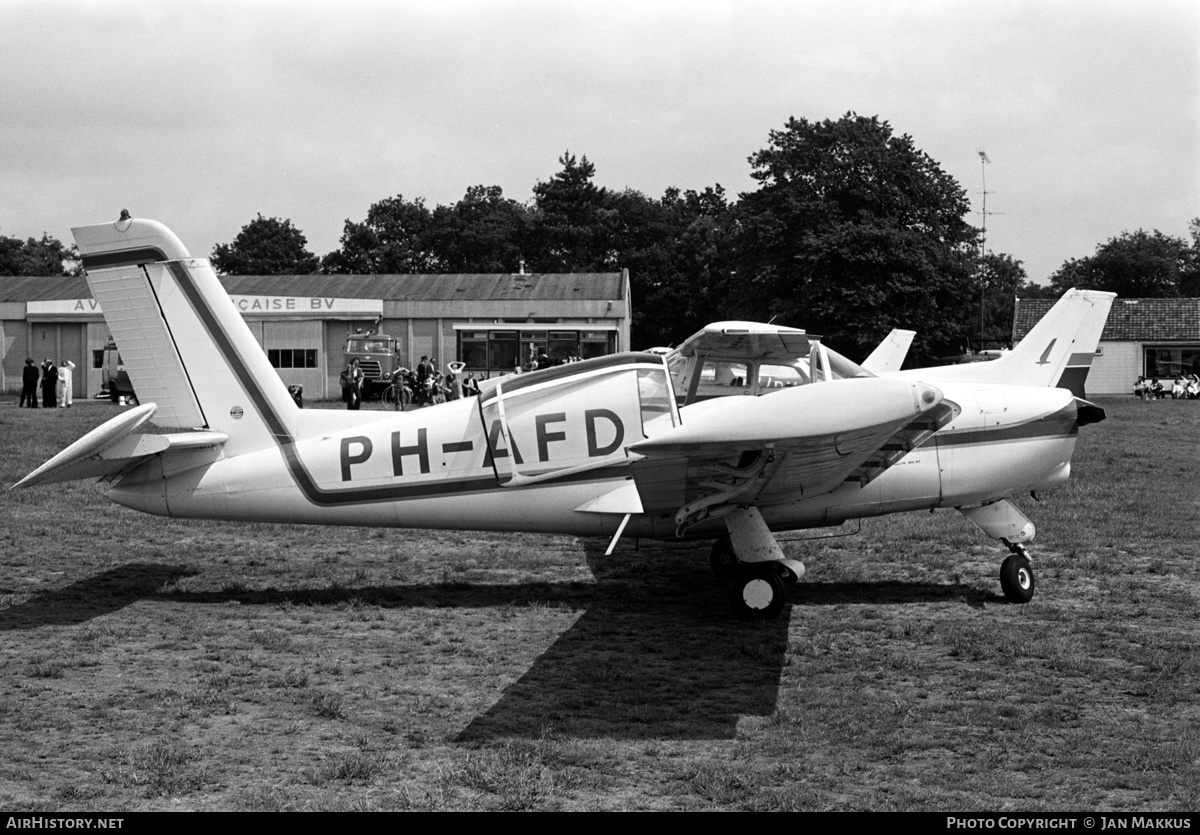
column 595, row 448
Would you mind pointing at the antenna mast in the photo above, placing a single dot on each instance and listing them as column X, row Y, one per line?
column 983, row 277
column 983, row 164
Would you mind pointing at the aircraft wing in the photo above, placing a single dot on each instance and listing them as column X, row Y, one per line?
column 113, row 447
column 798, row 443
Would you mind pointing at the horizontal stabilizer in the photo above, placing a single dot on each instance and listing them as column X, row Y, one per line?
column 113, row 447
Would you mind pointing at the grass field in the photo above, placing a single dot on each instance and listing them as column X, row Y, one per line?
column 149, row 663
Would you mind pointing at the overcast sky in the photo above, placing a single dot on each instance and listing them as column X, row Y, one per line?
column 204, row 114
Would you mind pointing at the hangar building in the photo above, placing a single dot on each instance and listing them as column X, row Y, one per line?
column 1143, row 337
column 302, row 321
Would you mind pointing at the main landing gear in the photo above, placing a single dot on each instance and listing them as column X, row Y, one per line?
column 1016, row 575
column 1001, row 520
column 753, row 563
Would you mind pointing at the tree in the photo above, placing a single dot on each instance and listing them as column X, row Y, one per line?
column 265, row 246
column 484, row 232
column 678, row 251
column 1136, row 265
column 572, row 229
column 396, row 237
column 45, row 257
column 853, row 231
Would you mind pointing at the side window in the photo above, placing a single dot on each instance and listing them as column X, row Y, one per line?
column 721, row 379
column 772, row 377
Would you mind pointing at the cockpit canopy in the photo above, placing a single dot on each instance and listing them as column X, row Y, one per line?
column 750, row 358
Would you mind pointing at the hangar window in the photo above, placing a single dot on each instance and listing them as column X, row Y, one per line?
column 595, row 343
column 292, row 357
column 502, row 350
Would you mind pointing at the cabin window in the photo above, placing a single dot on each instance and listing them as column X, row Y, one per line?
column 779, row 376
column 718, row 379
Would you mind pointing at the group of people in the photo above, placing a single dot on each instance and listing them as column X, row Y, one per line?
column 1182, row 387
column 55, row 382
column 425, row 385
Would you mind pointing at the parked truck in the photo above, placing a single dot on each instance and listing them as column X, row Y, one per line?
column 378, row 356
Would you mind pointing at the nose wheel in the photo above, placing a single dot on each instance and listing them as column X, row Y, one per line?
column 1016, row 577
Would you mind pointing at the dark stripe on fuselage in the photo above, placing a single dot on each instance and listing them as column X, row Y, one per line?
column 287, row 443
column 1061, row 424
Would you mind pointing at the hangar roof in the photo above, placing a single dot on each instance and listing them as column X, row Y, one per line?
column 41, row 288
column 1130, row 320
column 439, row 287
column 448, row 287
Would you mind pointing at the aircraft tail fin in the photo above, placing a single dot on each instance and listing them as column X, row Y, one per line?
column 890, row 353
column 1056, row 353
column 181, row 338
column 1059, row 350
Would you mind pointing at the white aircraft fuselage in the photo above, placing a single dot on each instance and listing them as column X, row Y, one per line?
column 432, row 468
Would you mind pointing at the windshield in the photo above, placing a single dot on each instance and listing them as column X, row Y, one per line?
column 374, row 345
column 703, row 377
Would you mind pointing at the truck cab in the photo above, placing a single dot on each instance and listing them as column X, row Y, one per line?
column 378, row 357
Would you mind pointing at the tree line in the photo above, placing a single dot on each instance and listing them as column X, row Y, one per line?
column 851, row 230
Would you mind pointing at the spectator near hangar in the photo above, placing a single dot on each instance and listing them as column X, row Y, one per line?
column 1142, row 338
column 489, row 321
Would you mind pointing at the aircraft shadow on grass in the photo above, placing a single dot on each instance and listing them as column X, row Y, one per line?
column 654, row 655
column 92, row 597
column 657, row 656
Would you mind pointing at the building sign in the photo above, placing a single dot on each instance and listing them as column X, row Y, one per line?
column 311, row 306
column 63, row 307
column 307, row 305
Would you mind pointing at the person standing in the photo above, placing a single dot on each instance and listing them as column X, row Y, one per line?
column 64, row 383
column 424, row 394
column 352, row 380
column 29, row 384
column 49, row 384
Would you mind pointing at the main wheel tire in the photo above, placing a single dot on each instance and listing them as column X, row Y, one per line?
column 757, row 592
column 1016, row 579
column 722, row 559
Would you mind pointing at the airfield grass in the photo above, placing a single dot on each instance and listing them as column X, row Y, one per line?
column 150, row 663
